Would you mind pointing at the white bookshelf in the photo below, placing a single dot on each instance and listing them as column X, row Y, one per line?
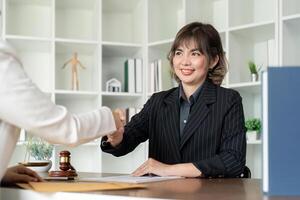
column 105, row 33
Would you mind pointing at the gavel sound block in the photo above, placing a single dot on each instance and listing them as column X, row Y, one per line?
column 67, row 170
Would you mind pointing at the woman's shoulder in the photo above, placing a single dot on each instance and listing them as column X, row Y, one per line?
column 228, row 93
column 164, row 94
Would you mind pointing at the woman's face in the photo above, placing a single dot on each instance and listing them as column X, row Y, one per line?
column 190, row 65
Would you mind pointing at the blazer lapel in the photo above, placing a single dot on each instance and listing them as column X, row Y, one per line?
column 171, row 115
column 199, row 111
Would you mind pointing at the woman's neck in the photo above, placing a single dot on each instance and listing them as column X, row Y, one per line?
column 190, row 89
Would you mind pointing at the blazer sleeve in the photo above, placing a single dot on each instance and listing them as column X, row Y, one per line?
column 23, row 105
column 230, row 161
column 136, row 132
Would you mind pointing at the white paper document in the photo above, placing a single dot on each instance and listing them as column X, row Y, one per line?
column 131, row 179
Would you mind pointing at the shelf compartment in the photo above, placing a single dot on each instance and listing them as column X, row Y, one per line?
column 28, row 18
column 255, row 44
column 160, row 52
column 208, row 11
column 122, row 21
column 250, row 11
column 251, row 97
column 78, row 103
column 76, row 19
column 36, row 58
column 113, row 62
column 165, row 19
column 251, row 102
column 291, row 42
column 290, row 7
column 88, row 55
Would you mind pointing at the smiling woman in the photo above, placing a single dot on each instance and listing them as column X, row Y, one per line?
column 196, row 129
column 190, row 66
column 198, row 47
column 196, row 51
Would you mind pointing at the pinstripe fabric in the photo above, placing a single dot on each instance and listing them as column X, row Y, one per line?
column 213, row 138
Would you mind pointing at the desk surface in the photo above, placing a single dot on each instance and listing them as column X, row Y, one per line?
column 209, row 189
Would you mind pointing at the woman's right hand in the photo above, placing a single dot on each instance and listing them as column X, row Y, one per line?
column 116, row 138
column 119, row 117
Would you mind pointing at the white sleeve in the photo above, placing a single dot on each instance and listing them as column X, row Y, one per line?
column 22, row 104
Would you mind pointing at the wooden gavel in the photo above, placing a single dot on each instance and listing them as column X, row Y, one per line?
column 65, row 161
column 67, row 170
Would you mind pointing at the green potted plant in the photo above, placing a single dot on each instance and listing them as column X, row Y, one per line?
column 253, row 127
column 38, row 154
column 253, row 70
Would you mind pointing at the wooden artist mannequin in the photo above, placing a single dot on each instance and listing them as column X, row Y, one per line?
column 74, row 62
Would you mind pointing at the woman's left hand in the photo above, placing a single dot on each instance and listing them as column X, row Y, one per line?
column 152, row 166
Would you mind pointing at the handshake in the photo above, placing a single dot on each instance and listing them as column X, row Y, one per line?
column 116, row 137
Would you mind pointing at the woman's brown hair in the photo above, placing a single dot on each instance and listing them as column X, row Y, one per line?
column 208, row 42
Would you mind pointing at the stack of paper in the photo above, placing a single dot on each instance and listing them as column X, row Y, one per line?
column 132, row 179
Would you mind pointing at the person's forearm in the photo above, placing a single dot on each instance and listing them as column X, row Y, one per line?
column 38, row 115
column 184, row 170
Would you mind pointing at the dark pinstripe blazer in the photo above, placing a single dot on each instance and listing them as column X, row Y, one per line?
column 213, row 138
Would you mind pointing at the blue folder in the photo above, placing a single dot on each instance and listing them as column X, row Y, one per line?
column 281, row 131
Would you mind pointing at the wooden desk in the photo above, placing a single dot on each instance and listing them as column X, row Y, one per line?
column 208, row 189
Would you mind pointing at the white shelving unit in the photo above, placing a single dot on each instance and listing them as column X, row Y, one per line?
column 105, row 33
